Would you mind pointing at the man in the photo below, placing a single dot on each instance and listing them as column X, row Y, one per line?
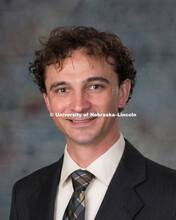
column 84, row 75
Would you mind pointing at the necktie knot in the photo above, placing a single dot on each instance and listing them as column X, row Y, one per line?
column 81, row 179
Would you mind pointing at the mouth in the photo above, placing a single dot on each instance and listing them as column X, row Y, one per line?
column 81, row 122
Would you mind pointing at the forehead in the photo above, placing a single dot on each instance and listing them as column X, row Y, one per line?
column 79, row 64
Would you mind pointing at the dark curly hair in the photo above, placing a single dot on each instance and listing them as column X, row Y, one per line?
column 64, row 40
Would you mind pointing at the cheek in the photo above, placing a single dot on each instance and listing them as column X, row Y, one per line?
column 58, row 106
column 107, row 101
column 105, row 105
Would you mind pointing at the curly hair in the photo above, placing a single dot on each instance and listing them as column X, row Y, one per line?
column 64, row 40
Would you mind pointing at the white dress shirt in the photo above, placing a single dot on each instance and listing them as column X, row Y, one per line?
column 103, row 168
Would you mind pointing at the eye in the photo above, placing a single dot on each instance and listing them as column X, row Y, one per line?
column 96, row 86
column 61, row 90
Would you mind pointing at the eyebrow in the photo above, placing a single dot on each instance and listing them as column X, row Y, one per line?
column 90, row 79
column 56, row 84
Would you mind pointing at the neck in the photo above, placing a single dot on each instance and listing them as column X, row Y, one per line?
column 84, row 155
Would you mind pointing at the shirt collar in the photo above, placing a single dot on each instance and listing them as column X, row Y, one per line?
column 107, row 162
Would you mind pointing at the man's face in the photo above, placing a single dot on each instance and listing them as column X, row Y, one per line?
column 85, row 85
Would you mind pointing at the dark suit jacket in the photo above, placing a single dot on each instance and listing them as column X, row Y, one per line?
column 140, row 189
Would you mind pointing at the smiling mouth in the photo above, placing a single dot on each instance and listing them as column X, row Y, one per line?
column 81, row 121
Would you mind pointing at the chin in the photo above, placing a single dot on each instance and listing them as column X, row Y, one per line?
column 82, row 140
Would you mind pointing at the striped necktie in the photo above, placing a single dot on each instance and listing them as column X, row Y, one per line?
column 76, row 206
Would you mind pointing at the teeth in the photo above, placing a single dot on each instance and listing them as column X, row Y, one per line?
column 80, row 121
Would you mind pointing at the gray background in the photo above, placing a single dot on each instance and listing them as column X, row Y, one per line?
column 29, row 140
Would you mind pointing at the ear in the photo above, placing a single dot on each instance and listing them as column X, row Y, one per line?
column 124, row 93
column 47, row 102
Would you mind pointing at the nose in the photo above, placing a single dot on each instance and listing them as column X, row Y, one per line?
column 80, row 102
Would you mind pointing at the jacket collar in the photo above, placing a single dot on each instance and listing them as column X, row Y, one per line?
column 121, row 200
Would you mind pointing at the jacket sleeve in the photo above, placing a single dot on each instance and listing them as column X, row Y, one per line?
column 13, row 212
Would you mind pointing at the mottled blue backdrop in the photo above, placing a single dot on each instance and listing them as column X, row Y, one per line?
column 29, row 140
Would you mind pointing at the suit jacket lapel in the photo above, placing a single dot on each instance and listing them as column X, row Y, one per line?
column 43, row 200
column 121, row 200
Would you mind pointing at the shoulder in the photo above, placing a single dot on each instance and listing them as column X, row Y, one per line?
column 155, row 183
column 153, row 170
column 163, row 174
column 40, row 176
